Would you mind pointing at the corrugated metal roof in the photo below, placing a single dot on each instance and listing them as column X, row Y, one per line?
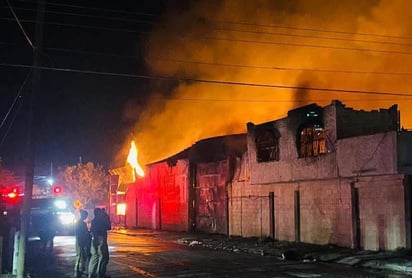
column 125, row 177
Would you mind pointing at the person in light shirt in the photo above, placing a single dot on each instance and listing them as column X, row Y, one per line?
column 83, row 241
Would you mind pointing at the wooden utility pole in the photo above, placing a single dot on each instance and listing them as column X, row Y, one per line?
column 30, row 144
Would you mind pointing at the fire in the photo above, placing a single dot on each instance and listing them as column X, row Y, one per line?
column 132, row 160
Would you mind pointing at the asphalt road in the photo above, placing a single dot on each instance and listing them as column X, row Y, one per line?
column 143, row 256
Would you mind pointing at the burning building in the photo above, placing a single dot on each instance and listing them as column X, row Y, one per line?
column 324, row 175
column 187, row 191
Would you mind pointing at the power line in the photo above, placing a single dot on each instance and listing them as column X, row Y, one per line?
column 314, row 30
column 151, row 22
column 198, row 62
column 92, row 16
column 279, row 68
column 248, row 24
column 90, row 8
column 207, row 63
column 18, row 95
column 305, row 45
column 80, row 26
column 246, row 41
column 313, row 37
column 275, row 100
column 20, row 26
column 245, row 31
column 209, row 81
column 12, row 121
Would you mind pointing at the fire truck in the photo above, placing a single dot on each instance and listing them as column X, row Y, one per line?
column 51, row 213
column 53, row 209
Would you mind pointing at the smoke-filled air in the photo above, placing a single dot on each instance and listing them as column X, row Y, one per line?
column 239, row 61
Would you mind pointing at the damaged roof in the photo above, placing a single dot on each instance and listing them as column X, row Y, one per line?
column 211, row 149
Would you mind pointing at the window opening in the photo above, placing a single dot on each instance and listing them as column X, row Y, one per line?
column 267, row 145
column 312, row 141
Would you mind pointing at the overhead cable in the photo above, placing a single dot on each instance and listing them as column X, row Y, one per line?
column 210, row 81
column 20, row 26
column 18, row 96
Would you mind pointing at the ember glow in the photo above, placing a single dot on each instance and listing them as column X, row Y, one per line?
column 133, row 162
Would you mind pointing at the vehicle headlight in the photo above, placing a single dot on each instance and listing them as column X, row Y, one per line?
column 67, row 218
column 60, row 204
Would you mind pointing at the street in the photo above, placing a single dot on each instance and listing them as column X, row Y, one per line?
column 145, row 256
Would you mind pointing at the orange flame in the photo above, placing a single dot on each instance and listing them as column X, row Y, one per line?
column 132, row 160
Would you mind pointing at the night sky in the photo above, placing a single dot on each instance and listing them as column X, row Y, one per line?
column 169, row 73
column 77, row 114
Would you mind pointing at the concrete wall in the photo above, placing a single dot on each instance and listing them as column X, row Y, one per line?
column 290, row 167
column 367, row 155
column 325, row 211
column 382, row 212
column 326, row 215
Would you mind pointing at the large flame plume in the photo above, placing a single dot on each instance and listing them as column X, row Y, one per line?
column 358, row 45
column 133, row 161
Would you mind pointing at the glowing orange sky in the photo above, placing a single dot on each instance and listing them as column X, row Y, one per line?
column 362, row 45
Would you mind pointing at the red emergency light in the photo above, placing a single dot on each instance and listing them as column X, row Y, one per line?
column 57, row 190
column 13, row 196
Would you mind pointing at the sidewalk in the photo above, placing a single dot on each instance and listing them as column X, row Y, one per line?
column 397, row 261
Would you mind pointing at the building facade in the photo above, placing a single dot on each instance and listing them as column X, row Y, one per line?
column 326, row 175
column 323, row 175
column 186, row 192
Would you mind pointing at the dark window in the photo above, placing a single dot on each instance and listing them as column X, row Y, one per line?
column 312, row 140
column 267, row 146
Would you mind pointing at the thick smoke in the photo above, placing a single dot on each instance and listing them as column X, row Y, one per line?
column 361, row 45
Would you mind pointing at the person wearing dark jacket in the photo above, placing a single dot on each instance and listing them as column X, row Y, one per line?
column 99, row 248
column 83, row 241
column 47, row 230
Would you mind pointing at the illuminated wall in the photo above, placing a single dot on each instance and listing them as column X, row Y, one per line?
column 353, row 195
column 199, row 175
column 211, row 196
column 160, row 199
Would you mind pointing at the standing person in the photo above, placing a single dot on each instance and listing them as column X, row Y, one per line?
column 99, row 248
column 108, row 226
column 83, row 242
column 108, row 222
column 47, row 230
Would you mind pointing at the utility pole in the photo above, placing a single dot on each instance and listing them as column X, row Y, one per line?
column 30, row 144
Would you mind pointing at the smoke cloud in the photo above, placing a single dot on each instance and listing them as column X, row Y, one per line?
column 248, row 46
